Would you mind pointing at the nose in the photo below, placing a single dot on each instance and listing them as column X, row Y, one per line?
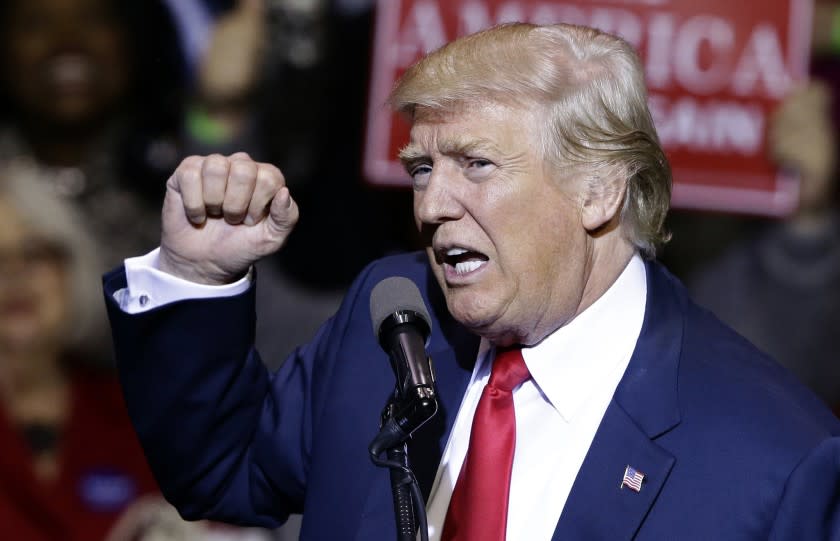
column 439, row 200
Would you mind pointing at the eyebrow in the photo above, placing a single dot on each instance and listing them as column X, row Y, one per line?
column 412, row 153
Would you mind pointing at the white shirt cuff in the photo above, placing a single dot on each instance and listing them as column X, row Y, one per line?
column 149, row 287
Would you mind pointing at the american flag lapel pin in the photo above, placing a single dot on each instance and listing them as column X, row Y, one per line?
column 632, row 479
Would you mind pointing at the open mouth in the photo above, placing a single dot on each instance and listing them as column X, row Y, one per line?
column 69, row 71
column 462, row 260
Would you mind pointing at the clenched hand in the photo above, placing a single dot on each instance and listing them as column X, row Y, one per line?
column 221, row 214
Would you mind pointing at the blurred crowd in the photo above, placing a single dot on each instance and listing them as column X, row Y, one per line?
column 777, row 281
column 99, row 101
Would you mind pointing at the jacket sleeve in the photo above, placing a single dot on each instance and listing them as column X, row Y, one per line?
column 225, row 439
column 810, row 504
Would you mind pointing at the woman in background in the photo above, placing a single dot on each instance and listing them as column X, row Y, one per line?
column 70, row 462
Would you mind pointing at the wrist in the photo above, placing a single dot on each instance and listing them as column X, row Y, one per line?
column 178, row 267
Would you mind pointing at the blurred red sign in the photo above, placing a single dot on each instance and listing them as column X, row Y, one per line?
column 716, row 69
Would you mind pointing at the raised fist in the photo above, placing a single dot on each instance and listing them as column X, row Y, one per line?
column 220, row 215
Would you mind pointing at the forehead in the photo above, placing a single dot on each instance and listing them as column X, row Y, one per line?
column 489, row 127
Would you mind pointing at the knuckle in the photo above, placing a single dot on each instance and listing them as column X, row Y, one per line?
column 215, row 164
column 189, row 169
column 190, row 162
column 271, row 174
column 190, row 177
column 242, row 171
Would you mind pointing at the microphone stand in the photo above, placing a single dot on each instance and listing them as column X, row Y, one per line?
column 401, row 480
column 399, row 419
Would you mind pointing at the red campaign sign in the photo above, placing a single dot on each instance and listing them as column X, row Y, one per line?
column 716, row 69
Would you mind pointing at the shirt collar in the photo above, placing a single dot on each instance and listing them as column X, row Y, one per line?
column 569, row 365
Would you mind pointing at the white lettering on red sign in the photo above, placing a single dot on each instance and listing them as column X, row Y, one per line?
column 713, row 76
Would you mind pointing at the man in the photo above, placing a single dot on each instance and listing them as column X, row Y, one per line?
column 539, row 186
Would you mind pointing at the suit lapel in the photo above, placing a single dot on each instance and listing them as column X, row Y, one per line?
column 598, row 507
column 644, row 406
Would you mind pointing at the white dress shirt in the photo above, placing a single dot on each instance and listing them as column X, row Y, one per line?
column 149, row 287
column 574, row 373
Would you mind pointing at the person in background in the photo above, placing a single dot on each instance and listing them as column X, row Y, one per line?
column 95, row 95
column 71, row 466
column 70, row 463
column 91, row 93
column 778, row 285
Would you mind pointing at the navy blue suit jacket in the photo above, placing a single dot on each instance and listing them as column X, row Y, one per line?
column 731, row 446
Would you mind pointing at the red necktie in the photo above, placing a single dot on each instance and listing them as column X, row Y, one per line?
column 478, row 509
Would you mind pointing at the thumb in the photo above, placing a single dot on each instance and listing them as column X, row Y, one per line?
column 282, row 215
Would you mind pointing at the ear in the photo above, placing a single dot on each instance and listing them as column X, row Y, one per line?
column 603, row 198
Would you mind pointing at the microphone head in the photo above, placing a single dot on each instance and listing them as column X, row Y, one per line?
column 392, row 296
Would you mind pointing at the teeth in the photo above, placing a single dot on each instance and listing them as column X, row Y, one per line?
column 467, row 266
column 455, row 251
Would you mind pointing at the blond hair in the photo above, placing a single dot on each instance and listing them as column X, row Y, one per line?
column 590, row 85
column 56, row 221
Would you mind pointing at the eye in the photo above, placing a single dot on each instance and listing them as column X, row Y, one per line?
column 478, row 169
column 478, row 163
column 420, row 174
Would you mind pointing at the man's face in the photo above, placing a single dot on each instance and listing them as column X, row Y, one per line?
column 65, row 60
column 504, row 236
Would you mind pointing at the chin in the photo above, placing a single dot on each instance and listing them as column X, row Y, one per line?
column 473, row 312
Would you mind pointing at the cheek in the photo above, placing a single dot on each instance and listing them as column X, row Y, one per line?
column 112, row 54
column 556, row 245
column 26, row 49
column 524, row 239
column 38, row 318
column 19, row 71
column 54, row 302
column 57, row 284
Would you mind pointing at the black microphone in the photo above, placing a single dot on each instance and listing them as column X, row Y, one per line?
column 401, row 323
